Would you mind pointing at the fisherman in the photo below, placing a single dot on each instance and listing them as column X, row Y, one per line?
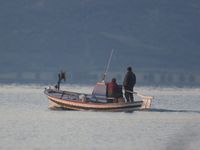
column 112, row 88
column 61, row 76
column 129, row 83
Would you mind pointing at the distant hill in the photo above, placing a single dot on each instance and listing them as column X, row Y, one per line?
column 49, row 35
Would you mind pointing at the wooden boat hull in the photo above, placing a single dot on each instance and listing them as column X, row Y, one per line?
column 71, row 105
column 63, row 101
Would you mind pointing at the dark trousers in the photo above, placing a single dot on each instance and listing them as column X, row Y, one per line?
column 128, row 95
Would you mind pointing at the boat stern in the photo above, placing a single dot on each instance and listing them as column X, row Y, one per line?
column 147, row 103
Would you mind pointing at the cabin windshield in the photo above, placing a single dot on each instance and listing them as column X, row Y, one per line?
column 100, row 90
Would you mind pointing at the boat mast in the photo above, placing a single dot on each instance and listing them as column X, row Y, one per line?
column 108, row 65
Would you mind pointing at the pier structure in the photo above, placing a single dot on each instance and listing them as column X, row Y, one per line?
column 144, row 77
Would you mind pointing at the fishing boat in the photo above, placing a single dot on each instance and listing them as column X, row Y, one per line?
column 96, row 101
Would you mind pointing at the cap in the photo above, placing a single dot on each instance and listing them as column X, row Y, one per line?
column 129, row 69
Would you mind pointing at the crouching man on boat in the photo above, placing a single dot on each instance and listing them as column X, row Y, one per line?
column 129, row 83
column 114, row 90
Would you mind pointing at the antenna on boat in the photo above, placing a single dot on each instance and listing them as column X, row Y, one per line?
column 104, row 75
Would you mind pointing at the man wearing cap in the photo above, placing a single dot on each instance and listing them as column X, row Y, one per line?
column 129, row 83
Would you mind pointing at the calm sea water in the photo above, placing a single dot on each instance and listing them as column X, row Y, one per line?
column 26, row 123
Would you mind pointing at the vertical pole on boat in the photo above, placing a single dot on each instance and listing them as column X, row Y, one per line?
column 104, row 75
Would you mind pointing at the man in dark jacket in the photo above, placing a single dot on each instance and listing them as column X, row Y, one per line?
column 129, row 83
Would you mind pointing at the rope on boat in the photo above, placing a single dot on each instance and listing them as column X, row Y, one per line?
column 140, row 95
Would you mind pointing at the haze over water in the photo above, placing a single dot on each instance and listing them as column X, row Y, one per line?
column 27, row 123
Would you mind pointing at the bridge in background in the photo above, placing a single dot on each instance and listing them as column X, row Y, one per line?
column 151, row 77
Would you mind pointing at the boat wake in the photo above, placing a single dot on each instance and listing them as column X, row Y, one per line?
column 174, row 110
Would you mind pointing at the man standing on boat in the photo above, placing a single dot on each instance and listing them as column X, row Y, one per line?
column 129, row 83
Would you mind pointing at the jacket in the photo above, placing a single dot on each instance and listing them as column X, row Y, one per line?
column 129, row 80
